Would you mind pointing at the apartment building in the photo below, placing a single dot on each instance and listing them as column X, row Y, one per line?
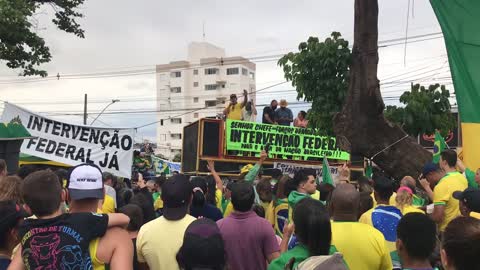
column 196, row 88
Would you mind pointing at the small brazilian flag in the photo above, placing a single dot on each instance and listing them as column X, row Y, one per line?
column 326, row 175
column 438, row 147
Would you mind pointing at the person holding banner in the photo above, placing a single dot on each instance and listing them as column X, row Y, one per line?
column 234, row 109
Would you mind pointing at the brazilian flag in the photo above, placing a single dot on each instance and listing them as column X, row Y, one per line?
column 438, row 147
column 460, row 21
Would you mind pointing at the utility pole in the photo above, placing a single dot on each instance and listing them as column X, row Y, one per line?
column 85, row 110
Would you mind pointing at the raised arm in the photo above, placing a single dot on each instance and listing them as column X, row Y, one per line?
column 245, row 98
column 218, row 180
column 252, row 174
column 118, row 219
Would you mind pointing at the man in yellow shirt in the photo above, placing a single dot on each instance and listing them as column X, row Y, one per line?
column 469, row 202
column 446, row 208
column 234, row 109
column 362, row 246
column 159, row 240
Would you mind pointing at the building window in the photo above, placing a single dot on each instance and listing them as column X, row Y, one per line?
column 175, row 90
column 176, row 74
column 195, row 115
column 210, row 103
column 163, row 137
column 195, row 84
column 176, row 120
column 232, row 71
column 211, row 87
column 252, row 75
column 176, row 136
column 211, row 71
column 244, row 72
column 195, row 99
column 195, row 72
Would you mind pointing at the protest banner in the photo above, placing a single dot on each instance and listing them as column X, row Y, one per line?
column 165, row 166
column 284, row 140
column 292, row 168
column 109, row 148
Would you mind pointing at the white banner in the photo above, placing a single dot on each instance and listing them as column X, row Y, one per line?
column 109, row 148
column 292, row 168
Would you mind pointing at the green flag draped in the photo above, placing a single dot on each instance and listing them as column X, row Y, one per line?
column 326, row 175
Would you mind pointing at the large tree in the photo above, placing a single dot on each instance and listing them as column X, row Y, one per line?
column 425, row 110
column 319, row 72
column 361, row 126
column 20, row 45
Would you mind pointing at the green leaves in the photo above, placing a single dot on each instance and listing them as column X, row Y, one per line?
column 20, row 46
column 320, row 72
column 426, row 110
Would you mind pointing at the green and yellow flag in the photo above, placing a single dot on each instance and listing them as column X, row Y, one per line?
column 326, row 175
column 460, row 20
column 438, row 147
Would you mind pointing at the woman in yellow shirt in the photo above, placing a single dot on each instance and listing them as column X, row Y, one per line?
column 404, row 201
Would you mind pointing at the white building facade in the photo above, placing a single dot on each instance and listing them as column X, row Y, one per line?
column 197, row 88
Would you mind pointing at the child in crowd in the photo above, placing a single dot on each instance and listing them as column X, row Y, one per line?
column 56, row 240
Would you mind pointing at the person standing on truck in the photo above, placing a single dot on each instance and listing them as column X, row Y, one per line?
column 234, row 109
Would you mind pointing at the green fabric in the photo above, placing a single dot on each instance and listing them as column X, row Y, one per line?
column 155, row 195
column 438, row 147
column 252, row 174
column 418, row 201
column 225, row 202
column 326, row 175
column 295, row 197
column 459, row 20
column 470, row 175
column 13, row 130
column 300, row 253
column 369, row 170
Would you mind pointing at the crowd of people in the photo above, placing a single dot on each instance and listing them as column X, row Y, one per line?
column 273, row 114
column 86, row 219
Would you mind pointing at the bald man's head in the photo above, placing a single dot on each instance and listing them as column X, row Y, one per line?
column 407, row 181
column 345, row 202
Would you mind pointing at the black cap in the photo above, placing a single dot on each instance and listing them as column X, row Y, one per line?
column 471, row 197
column 203, row 246
column 176, row 195
column 10, row 214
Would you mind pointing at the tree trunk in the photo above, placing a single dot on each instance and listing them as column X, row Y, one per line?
column 361, row 127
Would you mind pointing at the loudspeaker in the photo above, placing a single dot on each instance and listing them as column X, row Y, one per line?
column 201, row 139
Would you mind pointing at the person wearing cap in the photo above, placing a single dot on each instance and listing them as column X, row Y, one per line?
column 159, row 240
column 114, row 248
column 249, row 239
column 431, row 175
column 283, row 115
column 445, row 207
column 67, row 235
column 469, row 202
column 11, row 215
column 234, row 109
column 202, row 247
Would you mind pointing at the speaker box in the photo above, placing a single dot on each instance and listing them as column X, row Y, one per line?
column 201, row 139
column 10, row 152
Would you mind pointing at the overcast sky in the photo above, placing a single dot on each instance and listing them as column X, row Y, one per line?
column 125, row 35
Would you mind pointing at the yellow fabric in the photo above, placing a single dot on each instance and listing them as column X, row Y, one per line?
column 471, row 144
column 475, row 215
column 158, row 204
column 228, row 210
column 235, row 112
column 362, row 246
column 410, row 209
column 159, row 240
column 316, row 195
column 218, row 198
column 92, row 248
column 269, row 212
column 391, row 201
column 108, row 206
column 442, row 195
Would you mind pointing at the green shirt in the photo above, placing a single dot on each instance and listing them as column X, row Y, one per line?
column 470, row 175
column 300, row 253
column 155, row 195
